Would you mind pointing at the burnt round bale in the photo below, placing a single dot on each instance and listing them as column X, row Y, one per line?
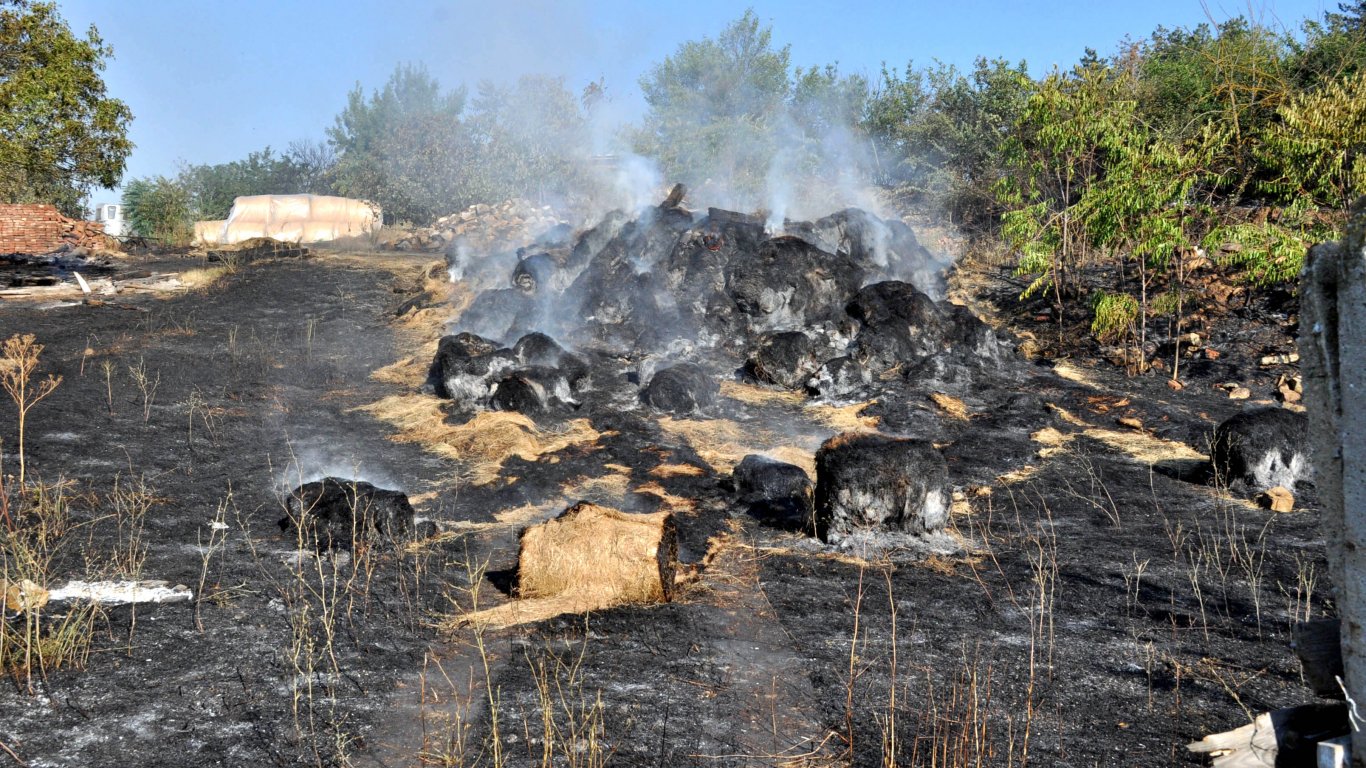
column 535, row 273
column 337, row 513
column 901, row 324
column 785, row 359
column 1262, row 448
column 467, row 366
column 681, row 390
column 775, row 492
column 872, row 483
column 597, row 556
column 789, row 284
column 840, row 377
column 537, row 350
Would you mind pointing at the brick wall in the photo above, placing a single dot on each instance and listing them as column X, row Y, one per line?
column 39, row 228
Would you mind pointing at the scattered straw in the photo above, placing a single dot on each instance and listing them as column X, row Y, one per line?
column 951, row 405
column 605, row 489
column 484, row 442
column 674, row 503
column 722, row 443
column 843, row 418
column 756, row 395
column 1072, row 373
column 677, row 470
column 202, row 277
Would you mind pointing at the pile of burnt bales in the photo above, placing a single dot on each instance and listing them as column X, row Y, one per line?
column 633, row 286
column 673, row 301
column 534, row 376
column 828, row 307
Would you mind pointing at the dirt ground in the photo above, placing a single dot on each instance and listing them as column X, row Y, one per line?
column 1097, row 611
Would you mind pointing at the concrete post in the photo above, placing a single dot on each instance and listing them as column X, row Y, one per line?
column 1333, row 359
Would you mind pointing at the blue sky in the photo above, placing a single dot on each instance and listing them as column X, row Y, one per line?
column 210, row 82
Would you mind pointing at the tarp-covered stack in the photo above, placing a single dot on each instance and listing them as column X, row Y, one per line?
column 291, row 218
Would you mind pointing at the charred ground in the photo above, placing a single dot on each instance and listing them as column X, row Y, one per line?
column 1086, row 607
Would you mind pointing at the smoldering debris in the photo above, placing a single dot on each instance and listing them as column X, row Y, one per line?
column 339, row 513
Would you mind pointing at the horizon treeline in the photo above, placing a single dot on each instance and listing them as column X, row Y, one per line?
column 1165, row 146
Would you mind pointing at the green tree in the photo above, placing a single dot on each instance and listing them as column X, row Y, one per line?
column 1057, row 150
column 307, row 167
column 532, row 140
column 404, row 147
column 60, row 134
column 713, row 107
column 159, row 209
column 1317, row 147
column 942, row 133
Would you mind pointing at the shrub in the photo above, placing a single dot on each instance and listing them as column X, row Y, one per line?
column 159, row 209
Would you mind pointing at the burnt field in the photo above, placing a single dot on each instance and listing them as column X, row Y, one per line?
column 898, row 539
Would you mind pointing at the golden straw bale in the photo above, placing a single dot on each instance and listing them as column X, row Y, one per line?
column 599, row 554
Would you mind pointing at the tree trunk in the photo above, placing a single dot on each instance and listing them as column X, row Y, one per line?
column 1332, row 326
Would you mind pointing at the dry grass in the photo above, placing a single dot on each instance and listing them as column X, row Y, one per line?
column 722, row 443
column 843, row 418
column 756, row 395
column 481, row 444
column 951, row 405
column 201, row 278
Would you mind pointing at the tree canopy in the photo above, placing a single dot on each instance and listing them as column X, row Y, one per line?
column 60, row 134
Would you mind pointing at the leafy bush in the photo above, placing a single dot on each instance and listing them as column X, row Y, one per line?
column 158, row 209
column 1114, row 316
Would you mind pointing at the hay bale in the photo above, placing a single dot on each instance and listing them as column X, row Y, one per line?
column 587, row 559
column 599, row 556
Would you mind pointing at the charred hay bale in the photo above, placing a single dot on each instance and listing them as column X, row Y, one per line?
column 500, row 314
column 785, row 359
column 466, row 366
column 840, row 377
column 681, row 390
column 535, row 273
column 901, row 324
column 337, row 513
column 1263, row 448
column 532, row 391
column 598, row 557
column 537, row 348
column 774, row 491
column 789, row 284
column 871, row 483
column 592, row 241
column 887, row 247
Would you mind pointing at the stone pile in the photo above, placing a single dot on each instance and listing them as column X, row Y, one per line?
column 483, row 226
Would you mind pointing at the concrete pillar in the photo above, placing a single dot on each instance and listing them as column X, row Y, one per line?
column 1333, row 361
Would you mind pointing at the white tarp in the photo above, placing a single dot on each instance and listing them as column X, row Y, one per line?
column 292, row 219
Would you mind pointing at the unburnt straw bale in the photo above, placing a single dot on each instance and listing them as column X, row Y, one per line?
column 872, row 483
column 598, row 557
